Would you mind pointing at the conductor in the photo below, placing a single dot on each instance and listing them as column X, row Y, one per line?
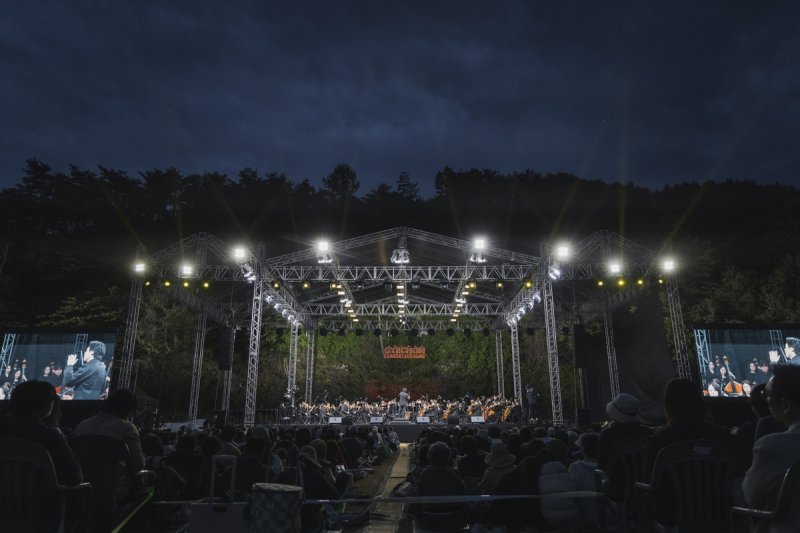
column 402, row 399
column 90, row 378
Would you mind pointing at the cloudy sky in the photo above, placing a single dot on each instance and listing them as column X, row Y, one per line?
column 648, row 92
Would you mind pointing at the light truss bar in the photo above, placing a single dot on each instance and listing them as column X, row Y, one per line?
column 291, row 374
column 197, row 369
column 334, row 247
column 337, row 309
column 703, row 352
column 6, row 355
column 460, row 244
column 131, row 326
column 611, row 353
column 498, row 350
column 227, row 374
column 515, row 365
column 309, row 396
column 385, row 324
column 425, row 274
column 552, row 351
column 678, row 332
column 252, row 359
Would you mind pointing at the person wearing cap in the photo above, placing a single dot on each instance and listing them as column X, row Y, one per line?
column 499, row 461
column 622, row 411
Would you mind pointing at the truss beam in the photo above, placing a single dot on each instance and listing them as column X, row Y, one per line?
column 498, row 350
column 515, row 364
column 197, row 369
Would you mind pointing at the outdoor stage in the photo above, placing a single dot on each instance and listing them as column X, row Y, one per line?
column 407, row 431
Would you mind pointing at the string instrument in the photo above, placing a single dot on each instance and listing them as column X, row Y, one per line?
column 734, row 388
column 506, row 414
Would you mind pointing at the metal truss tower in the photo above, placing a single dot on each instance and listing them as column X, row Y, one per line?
column 310, row 367
column 252, row 357
column 291, row 386
column 498, row 349
column 197, row 368
column 611, row 350
column 131, row 326
column 552, row 351
column 228, row 374
column 515, row 362
column 678, row 334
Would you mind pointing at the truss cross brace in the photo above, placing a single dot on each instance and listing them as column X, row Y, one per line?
column 197, row 368
column 498, row 349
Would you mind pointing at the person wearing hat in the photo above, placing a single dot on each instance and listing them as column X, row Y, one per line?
column 622, row 411
column 499, row 461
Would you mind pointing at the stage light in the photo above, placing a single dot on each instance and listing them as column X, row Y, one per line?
column 472, row 284
column 276, row 284
column 400, row 256
column 206, row 284
column 640, row 282
column 467, row 332
column 359, row 332
column 527, row 283
column 535, row 299
column 348, row 303
column 415, row 284
column 393, row 332
column 277, row 306
column 450, row 332
column 359, row 285
column 240, row 253
column 486, row 332
column 376, row 332
column 306, row 284
column 147, row 283
column 140, row 268
column 660, row 281
column 465, row 293
column 388, row 286
column 614, row 267
column 562, row 251
column 554, row 272
column 414, row 332
column 323, row 257
column 333, row 285
column 453, row 319
column 342, row 332
column 167, row 283
column 431, row 332
column 498, row 284
column 444, row 284
column 187, row 271
column 284, row 312
column 185, row 284
column 620, row 282
column 600, row 282
column 668, row 265
column 478, row 245
column 323, row 332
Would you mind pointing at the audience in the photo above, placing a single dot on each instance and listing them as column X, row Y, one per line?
column 623, row 412
column 499, row 461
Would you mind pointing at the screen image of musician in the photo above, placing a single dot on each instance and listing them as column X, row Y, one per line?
column 78, row 364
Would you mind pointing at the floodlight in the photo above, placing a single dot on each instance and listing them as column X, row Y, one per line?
column 323, row 257
column 527, row 283
column 668, row 265
column 276, row 284
column 498, row 284
column 620, row 282
column 400, row 256
column 554, row 272
column 479, row 243
column 147, row 283
column 562, row 251
column 206, row 284
column 185, row 284
column 167, row 283
column 240, row 253
column 640, row 282
column 323, row 246
column 140, row 268
column 472, row 284
column 306, row 284
column 187, row 270
column 614, row 267
column 600, row 283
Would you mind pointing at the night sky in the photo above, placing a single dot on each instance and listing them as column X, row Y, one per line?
column 647, row 92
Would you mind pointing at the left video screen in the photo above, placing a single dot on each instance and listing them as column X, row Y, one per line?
column 78, row 364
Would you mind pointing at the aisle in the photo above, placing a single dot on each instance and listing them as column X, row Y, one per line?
column 393, row 510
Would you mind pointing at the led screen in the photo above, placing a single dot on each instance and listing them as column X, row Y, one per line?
column 733, row 360
column 77, row 364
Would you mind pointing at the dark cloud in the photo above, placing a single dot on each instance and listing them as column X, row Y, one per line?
column 651, row 92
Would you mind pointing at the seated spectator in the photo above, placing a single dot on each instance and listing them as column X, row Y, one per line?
column 353, row 448
column 438, row 479
column 190, row 464
column 499, row 462
column 113, row 421
column 470, row 464
column 226, row 445
column 774, row 453
column 746, row 433
column 315, row 487
column 623, row 412
column 168, row 483
column 582, row 473
column 249, row 469
column 31, row 403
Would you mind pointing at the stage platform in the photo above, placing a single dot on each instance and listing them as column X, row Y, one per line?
column 407, row 431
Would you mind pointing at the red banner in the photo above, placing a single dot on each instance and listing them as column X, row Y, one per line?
column 404, row 352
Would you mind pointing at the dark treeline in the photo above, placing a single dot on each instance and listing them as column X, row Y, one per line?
column 68, row 238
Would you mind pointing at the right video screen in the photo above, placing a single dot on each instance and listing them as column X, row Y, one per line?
column 733, row 360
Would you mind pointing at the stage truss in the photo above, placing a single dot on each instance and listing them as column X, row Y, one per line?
column 434, row 295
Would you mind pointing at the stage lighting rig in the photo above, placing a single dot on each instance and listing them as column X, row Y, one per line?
column 478, row 246
column 323, row 253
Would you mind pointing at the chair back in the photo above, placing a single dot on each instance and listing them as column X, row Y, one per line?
column 101, row 459
column 627, row 464
column 692, row 482
column 28, row 492
column 788, row 505
column 440, row 521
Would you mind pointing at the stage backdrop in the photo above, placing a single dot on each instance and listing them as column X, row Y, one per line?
column 643, row 360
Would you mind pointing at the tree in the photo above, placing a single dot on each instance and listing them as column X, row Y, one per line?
column 342, row 183
column 407, row 189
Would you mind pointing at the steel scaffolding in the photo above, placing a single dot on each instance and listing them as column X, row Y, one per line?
column 515, row 367
column 252, row 358
column 678, row 333
column 228, row 374
column 498, row 350
column 131, row 326
column 291, row 373
column 552, row 351
column 309, row 393
column 197, row 368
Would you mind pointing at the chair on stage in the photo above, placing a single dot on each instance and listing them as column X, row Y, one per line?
column 627, row 462
column 690, row 487
column 785, row 516
column 31, row 499
column 103, row 461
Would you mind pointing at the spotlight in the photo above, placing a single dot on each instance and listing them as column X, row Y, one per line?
column 140, row 268
column 206, row 284
column 467, row 332
column 239, row 253
column 167, row 283
column 562, row 251
column 377, row 332
column 498, row 284
column 640, row 282
column 486, row 332
column 614, row 267
column 185, row 284
column 554, row 272
column 414, row 332
column 527, row 283
column 306, row 284
column 621, row 282
column 393, row 332
column 323, row 331
column 276, row 284
column 660, row 281
column 334, row 285
column 600, row 283
column 342, row 332
column 431, row 332
column 450, row 332
column 472, row 284
column 359, row 332
column 147, row 283
column 668, row 265
column 187, row 271
column 359, row 285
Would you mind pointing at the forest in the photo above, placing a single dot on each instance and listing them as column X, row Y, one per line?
column 68, row 239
